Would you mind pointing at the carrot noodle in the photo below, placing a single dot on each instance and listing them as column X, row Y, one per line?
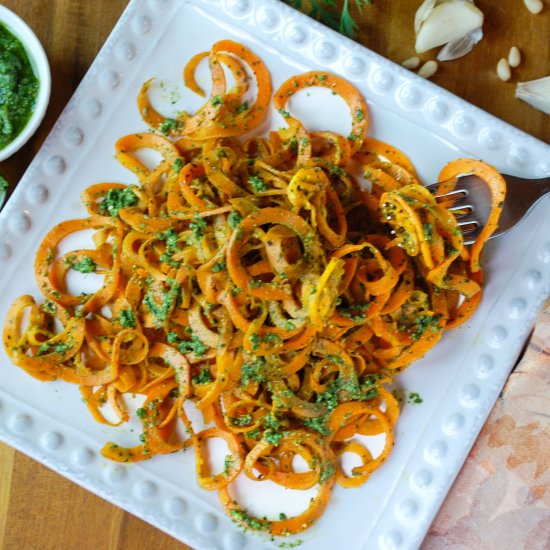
column 256, row 278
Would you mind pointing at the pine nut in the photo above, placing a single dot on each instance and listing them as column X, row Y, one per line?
column 411, row 63
column 428, row 69
column 534, row 6
column 503, row 70
column 514, row 57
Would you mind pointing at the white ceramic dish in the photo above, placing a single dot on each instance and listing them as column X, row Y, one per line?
column 459, row 380
column 39, row 62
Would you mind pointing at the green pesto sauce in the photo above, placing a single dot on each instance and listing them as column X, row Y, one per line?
column 18, row 87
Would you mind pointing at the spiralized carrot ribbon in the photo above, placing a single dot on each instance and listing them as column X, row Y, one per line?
column 496, row 185
column 254, row 278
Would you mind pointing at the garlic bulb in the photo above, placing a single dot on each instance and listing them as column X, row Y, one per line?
column 438, row 22
column 536, row 93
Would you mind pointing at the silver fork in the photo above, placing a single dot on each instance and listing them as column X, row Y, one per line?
column 472, row 202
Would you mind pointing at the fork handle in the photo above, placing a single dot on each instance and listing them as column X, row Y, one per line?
column 542, row 185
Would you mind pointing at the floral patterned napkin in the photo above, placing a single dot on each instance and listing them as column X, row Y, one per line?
column 501, row 498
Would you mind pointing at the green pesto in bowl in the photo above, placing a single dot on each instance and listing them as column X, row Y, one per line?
column 18, row 87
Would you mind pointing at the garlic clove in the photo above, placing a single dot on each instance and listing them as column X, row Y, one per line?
column 422, row 13
column 503, row 70
column 536, row 93
column 424, row 10
column 411, row 63
column 514, row 57
column 447, row 22
column 428, row 69
column 461, row 46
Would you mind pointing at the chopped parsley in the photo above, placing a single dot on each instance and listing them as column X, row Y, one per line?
column 327, row 471
column 171, row 239
column 290, row 544
column 177, row 165
column 242, row 517
column 318, row 424
column 252, row 370
column 283, row 113
column 86, row 265
column 141, row 412
column 254, row 341
column 272, row 437
column 242, row 420
column 355, row 312
column 126, row 318
column 414, row 398
column 272, row 339
column 219, row 266
column 228, row 464
column 57, row 348
column 195, row 345
column 217, row 101
column 204, row 377
column 49, row 307
column 168, row 125
column 243, row 107
column 198, row 226
column 423, row 323
column 115, row 199
column 162, row 310
column 258, row 184
column 234, row 219
column 428, row 230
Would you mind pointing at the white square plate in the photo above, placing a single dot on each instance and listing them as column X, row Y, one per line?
column 458, row 380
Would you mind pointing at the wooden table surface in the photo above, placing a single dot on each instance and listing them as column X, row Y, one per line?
column 40, row 509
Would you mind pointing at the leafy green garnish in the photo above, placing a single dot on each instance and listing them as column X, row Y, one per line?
column 327, row 12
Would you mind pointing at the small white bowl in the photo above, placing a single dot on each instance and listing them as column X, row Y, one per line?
column 41, row 67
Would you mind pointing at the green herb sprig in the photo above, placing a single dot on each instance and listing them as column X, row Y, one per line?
column 334, row 14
